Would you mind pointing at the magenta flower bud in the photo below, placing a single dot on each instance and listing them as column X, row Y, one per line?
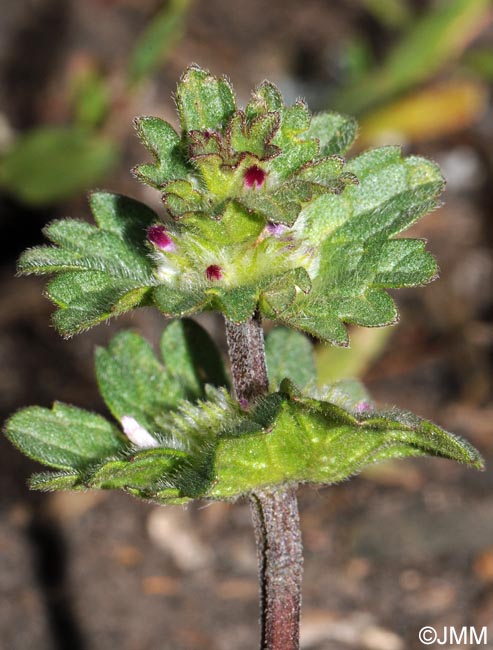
column 213, row 272
column 158, row 235
column 254, row 176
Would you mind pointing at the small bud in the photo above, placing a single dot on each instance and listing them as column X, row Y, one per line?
column 363, row 407
column 276, row 229
column 158, row 235
column 254, row 176
column 137, row 435
column 213, row 272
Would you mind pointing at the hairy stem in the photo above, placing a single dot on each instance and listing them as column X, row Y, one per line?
column 274, row 512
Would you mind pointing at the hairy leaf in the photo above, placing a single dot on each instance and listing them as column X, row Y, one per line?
column 335, row 132
column 133, row 382
column 101, row 272
column 203, row 101
column 65, row 437
column 358, row 257
column 192, row 358
column 163, row 142
column 213, row 449
column 289, row 354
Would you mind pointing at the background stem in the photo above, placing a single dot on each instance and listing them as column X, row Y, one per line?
column 275, row 512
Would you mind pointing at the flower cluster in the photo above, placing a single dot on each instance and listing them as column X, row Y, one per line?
column 262, row 213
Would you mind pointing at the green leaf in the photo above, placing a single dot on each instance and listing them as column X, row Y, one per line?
column 133, row 382
column 334, row 131
column 64, row 437
column 158, row 40
column 164, row 144
column 318, row 442
column 237, row 304
column 86, row 299
column 253, row 136
column 316, row 317
column 173, row 301
column 438, row 37
column 192, row 357
column 54, row 163
column 295, row 149
column 181, row 198
column 52, row 481
column 281, row 293
column 283, row 205
column 101, row 272
column 289, row 354
column 143, row 471
column 204, row 101
column 265, row 99
column 358, row 258
column 211, row 447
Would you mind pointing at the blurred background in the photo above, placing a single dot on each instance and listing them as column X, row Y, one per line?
column 404, row 545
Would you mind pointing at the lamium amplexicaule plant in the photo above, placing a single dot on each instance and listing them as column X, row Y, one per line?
column 264, row 218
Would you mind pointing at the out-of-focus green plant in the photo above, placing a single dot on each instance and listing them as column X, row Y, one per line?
column 336, row 363
column 392, row 13
column 480, row 61
column 158, row 40
column 91, row 98
column 266, row 218
column 433, row 112
column 426, row 47
column 52, row 163
column 437, row 38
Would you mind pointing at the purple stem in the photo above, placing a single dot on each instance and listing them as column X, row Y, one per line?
column 274, row 511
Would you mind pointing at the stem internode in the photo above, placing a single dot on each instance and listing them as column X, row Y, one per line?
column 274, row 512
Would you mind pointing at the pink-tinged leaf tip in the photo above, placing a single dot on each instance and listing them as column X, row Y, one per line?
column 158, row 235
column 254, row 176
column 213, row 272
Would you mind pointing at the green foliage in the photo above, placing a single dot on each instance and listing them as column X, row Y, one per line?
column 289, row 354
column 184, row 438
column 101, row 271
column 158, row 40
column 335, row 363
column 64, row 437
column 52, row 163
column 439, row 36
column 91, row 98
column 134, row 383
column 265, row 214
